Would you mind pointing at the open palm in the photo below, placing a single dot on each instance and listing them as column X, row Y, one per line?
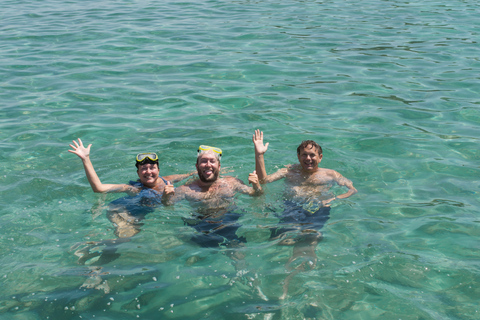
column 79, row 149
column 257, row 139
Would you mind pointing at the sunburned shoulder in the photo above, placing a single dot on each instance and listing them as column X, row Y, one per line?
column 229, row 180
column 291, row 167
column 187, row 187
column 327, row 171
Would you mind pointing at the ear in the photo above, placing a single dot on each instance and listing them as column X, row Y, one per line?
column 320, row 157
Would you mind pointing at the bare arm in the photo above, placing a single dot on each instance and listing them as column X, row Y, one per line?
column 343, row 182
column 256, row 188
column 97, row 186
column 280, row 174
column 172, row 195
column 179, row 177
column 260, row 150
column 254, row 181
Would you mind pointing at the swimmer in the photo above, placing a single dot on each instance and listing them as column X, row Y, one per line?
column 308, row 208
column 212, row 197
column 147, row 171
column 145, row 194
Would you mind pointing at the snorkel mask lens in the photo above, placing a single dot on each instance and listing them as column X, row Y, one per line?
column 143, row 156
column 208, row 148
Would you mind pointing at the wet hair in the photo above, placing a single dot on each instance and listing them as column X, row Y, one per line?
column 217, row 155
column 307, row 143
column 145, row 161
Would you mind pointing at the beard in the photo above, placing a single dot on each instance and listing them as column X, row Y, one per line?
column 213, row 178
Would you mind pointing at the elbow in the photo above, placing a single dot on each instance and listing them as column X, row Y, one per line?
column 99, row 190
column 353, row 191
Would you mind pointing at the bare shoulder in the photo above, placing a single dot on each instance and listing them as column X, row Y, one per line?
column 334, row 175
column 328, row 172
column 291, row 167
column 190, row 187
column 230, row 180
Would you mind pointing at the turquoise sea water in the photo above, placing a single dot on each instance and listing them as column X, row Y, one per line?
column 390, row 89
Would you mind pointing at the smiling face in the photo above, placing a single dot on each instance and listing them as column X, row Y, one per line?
column 148, row 174
column 309, row 158
column 208, row 167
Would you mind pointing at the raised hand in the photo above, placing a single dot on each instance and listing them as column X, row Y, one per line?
column 257, row 139
column 80, row 150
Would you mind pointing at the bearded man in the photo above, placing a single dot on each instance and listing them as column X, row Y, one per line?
column 211, row 195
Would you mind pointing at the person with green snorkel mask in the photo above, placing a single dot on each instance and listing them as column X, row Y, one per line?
column 211, row 195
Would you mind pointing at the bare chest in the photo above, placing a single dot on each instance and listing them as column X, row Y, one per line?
column 300, row 179
column 214, row 192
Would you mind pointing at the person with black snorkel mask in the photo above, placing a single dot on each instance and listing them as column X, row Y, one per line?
column 144, row 194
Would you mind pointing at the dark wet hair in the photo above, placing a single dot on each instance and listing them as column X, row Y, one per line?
column 307, row 143
column 145, row 161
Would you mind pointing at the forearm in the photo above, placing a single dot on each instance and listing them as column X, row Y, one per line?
column 92, row 176
column 98, row 186
column 178, row 177
column 351, row 191
column 260, row 167
column 257, row 190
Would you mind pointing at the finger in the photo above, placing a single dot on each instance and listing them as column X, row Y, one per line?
column 80, row 141
column 75, row 143
column 266, row 145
